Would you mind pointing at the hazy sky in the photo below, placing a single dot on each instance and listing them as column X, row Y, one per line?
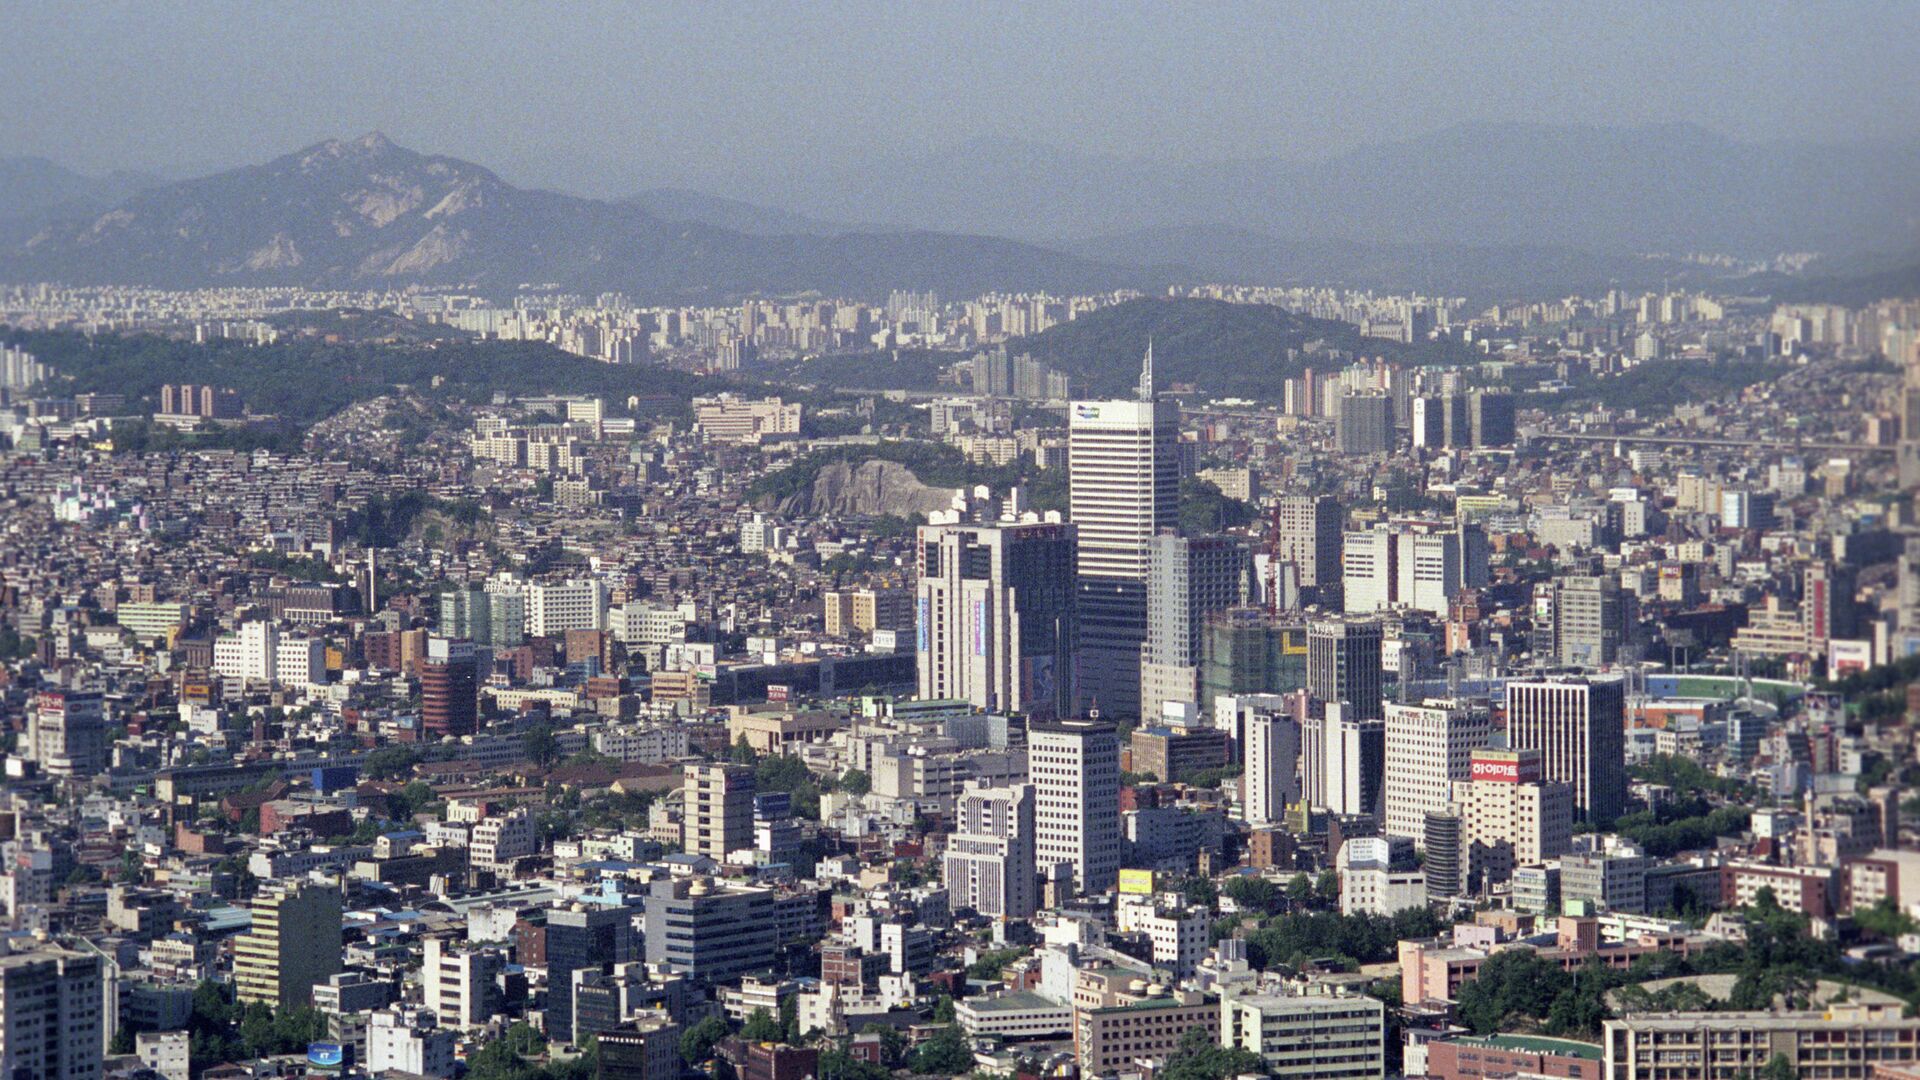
column 607, row 99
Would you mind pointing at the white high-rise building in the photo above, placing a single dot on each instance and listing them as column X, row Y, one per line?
column 989, row 864
column 1429, row 747
column 1074, row 766
column 1124, row 485
column 51, row 1022
column 300, row 662
column 1355, row 757
column 1271, row 778
column 497, row 841
column 1368, row 570
column 249, row 655
column 1418, row 565
column 67, row 733
column 553, row 609
column 259, row 653
column 403, row 1042
column 458, row 982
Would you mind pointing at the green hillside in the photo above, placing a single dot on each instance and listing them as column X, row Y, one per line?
column 1229, row 350
column 305, row 380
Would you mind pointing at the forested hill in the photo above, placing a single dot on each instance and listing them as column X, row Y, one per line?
column 1233, row 350
column 303, row 380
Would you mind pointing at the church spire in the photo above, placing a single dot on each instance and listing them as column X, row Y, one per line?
column 1146, row 372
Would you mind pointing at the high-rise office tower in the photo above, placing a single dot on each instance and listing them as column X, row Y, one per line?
column 1741, row 509
column 457, row 981
column 1907, row 613
column 1490, row 413
column 1247, row 650
column 1353, row 754
column 1430, row 570
column 1429, row 422
column 707, row 930
column 294, row 942
column 506, row 617
column 1123, row 487
column 449, row 688
column 997, row 616
column 1364, row 424
column 67, row 733
column 1579, row 727
column 1591, row 619
column 1309, row 536
column 584, row 938
column 1456, row 426
column 1510, row 816
column 1187, row 579
column 1444, row 853
column 1908, row 453
column 463, row 613
column 989, row 864
column 1429, row 747
column 1343, row 664
column 1074, row 766
column 553, row 608
column 719, row 810
column 51, row 1026
column 1420, row 565
column 1271, row 776
column 1370, row 570
column 1827, row 603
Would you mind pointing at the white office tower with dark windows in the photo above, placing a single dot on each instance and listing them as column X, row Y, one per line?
column 1074, row 767
column 1124, row 486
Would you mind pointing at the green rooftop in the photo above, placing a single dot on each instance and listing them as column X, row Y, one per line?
column 1012, row 1001
column 1538, row 1044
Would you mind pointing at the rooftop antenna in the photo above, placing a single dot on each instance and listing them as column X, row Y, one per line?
column 1146, row 372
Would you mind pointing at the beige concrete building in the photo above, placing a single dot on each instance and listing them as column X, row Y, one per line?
column 719, row 810
column 1841, row 1042
column 1110, row 1038
column 1325, row 1036
column 1511, row 817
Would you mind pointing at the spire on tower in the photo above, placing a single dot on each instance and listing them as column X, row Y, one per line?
column 1146, row 372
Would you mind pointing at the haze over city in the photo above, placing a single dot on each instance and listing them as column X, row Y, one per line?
column 606, row 100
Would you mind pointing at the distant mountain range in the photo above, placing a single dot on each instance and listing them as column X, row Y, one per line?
column 34, row 191
column 1489, row 211
column 367, row 213
column 1667, row 188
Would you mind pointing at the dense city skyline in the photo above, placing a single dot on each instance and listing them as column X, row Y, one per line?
column 1120, row 542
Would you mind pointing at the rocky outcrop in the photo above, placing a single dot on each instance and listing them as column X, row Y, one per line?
column 870, row 488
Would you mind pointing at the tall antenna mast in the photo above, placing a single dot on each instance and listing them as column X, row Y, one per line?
column 1146, row 372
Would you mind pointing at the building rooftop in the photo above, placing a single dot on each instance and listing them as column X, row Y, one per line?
column 1537, row 1044
column 1833, row 1015
column 1012, row 1001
